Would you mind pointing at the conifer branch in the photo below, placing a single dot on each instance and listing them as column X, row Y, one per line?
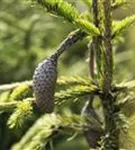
column 46, row 128
column 70, row 13
column 60, row 8
column 117, row 100
column 61, row 97
column 22, row 113
column 21, row 92
column 9, row 87
column 75, row 92
column 73, row 80
column 120, row 26
column 125, row 86
column 71, row 39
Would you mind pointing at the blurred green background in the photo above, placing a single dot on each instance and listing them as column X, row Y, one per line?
column 28, row 35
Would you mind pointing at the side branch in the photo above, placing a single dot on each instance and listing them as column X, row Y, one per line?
column 71, row 39
column 61, row 81
column 61, row 97
column 8, row 87
column 64, row 9
column 108, row 56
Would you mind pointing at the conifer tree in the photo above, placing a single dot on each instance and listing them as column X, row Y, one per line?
column 38, row 103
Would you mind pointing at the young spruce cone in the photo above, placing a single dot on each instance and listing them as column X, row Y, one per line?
column 44, row 80
column 45, row 75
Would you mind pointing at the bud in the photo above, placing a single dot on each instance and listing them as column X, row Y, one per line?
column 44, row 81
column 94, row 130
column 93, row 136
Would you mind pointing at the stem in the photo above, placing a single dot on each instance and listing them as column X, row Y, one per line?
column 71, row 39
column 108, row 56
column 91, row 60
column 60, row 98
column 96, row 41
column 111, row 139
column 93, row 135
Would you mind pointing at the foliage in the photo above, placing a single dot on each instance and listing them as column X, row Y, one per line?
column 64, row 9
column 122, row 25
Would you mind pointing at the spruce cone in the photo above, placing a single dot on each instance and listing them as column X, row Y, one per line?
column 45, row 75
column 44, row 81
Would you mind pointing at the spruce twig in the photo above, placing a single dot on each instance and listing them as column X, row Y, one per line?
column 47, row 127
column 61, row 81
column 120, row 26
column 60, row 97
column 9, row 87
column 22, row 113
column 71, row 39
column 70, row 13
column 73, row 80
